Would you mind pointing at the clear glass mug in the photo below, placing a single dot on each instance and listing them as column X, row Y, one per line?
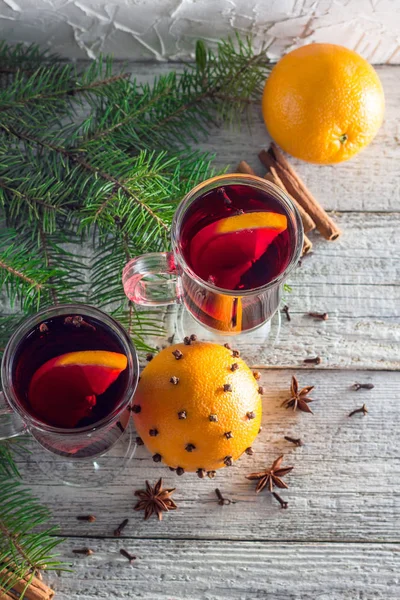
column 163, row 278
column 75, row 444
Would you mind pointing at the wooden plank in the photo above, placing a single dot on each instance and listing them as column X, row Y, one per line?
column 345, row 484
column 226, row 570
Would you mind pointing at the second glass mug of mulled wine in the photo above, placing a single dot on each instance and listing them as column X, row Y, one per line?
column 69, row 374
column 235, row 239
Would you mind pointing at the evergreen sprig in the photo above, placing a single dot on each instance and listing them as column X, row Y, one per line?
column 25, row 547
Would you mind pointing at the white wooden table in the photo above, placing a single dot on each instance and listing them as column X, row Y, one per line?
column 339, row 538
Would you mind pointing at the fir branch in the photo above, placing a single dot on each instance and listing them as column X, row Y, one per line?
column 92, row 169
column 8, row 467
column 22, row 58
column 55, row 94
column 18, row 274
column 24, row 549
column 182, row 105
column 25, row 276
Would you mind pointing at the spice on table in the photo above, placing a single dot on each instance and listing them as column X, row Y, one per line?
column 221, row 500
column 121, row 527
column 316, row 360
column 127, row 555
column 281, row 501
column 271, row 477
column 30, row 587
column 155, row 500
column 321, row 316
column 363, row 409
column 362, row 386
column 285, row 310
column 295, row 441
column 299, row 398
column 84, row 551
column 298, row 190
column 88, row 518
column 245, row 168
column 307, row 247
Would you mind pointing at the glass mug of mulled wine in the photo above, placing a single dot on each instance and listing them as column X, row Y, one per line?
column 235, row 240
column 69, row 374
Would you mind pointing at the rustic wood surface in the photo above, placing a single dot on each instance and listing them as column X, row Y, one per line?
column 339, row 539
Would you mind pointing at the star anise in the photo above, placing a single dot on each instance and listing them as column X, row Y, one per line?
column 271, row 476
column 155, row 500
column 298, row 398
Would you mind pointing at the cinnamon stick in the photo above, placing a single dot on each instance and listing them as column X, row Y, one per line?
column 308, row 223
column 37, row 590
column 244, row 167
column 307, row 245
column 297, row 188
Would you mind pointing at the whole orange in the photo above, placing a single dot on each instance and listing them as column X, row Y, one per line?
column 323, row 103
column 197, row 406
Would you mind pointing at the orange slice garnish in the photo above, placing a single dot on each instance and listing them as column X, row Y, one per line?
column 226, row 249
column 65, row 388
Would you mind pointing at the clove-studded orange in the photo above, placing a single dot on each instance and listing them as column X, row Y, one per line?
column 197, row 407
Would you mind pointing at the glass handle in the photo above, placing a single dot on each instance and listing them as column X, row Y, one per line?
column 151, row 280
column 10, row 423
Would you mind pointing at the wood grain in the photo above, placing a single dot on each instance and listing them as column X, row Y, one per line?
column 230, row 571
column 345, row 484
column 339, row 538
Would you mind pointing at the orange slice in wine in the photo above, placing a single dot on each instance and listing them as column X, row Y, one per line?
column 65, row 388
column 224, row 250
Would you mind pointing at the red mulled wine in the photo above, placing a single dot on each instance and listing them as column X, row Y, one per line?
column 237, row 238
column 70, row 371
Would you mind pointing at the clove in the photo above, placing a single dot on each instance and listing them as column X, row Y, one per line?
column 221, row 500
column 88, row 518
column 281, row 501
column 84, row 551
column 295, row 441
column 285, row 310
column 363, row 386
column 121, row 527
column 313, row 361
column 127, row 555
column 222, row 192
column 78, row 321
column 363, row 409
column 320, row 316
